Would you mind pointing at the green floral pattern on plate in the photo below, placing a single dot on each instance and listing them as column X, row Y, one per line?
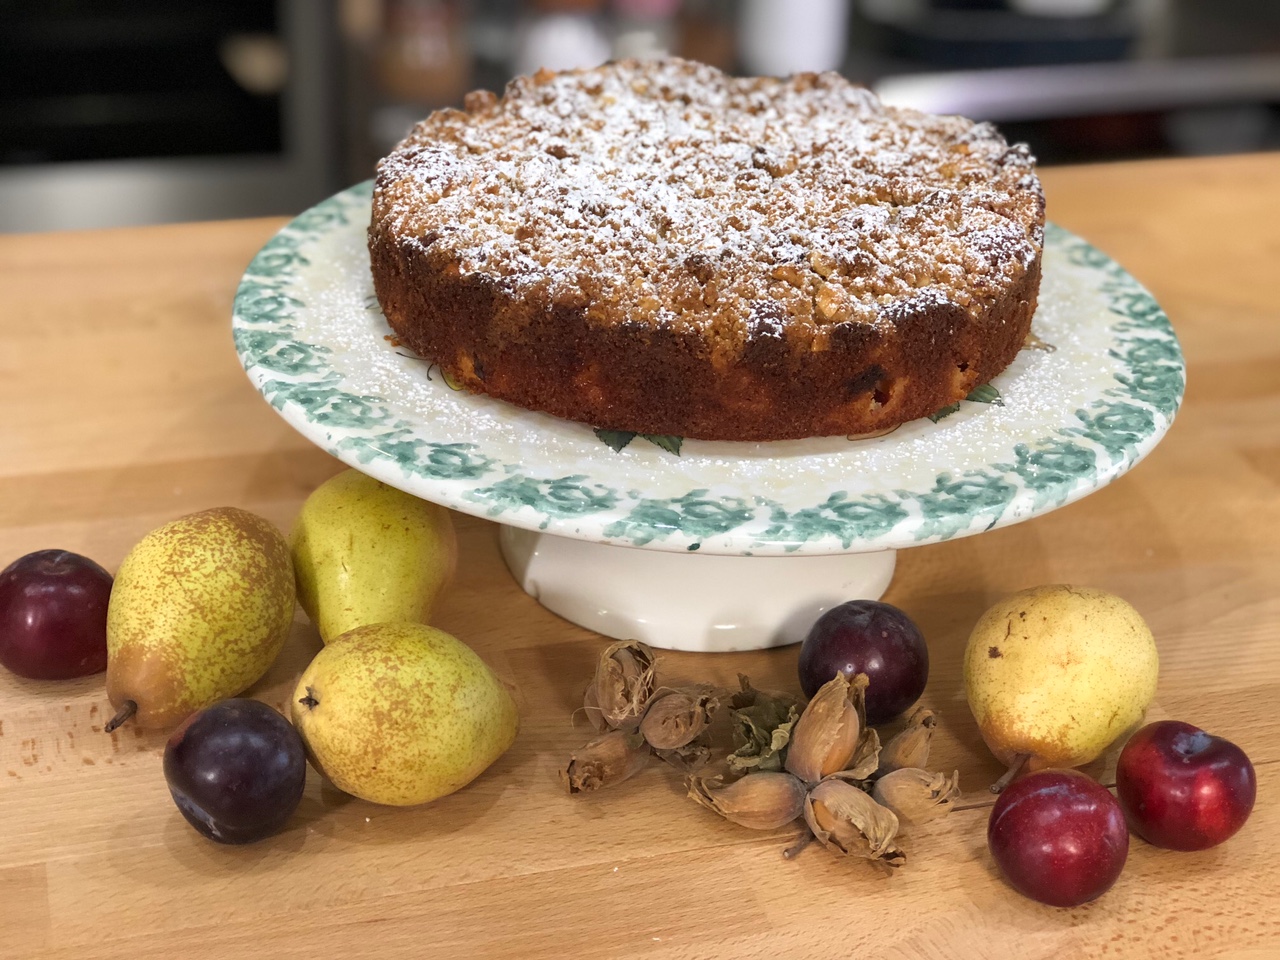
column 696, row 516
column 309, row 335
column 558, row 498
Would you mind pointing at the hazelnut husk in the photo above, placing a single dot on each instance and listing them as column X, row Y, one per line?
column 846, row 820
column 916, row 795
column 865, row 759
column 910, row 748
column 691, row 757
column 605, row 761
column 832, row 731
column 762, row 723
column 760, row 801
column 624, row 683
column 676, row 717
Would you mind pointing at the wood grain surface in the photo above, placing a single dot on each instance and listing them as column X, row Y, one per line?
column 122, row 405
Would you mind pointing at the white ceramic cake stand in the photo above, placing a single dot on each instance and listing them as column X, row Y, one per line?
column 725, row 546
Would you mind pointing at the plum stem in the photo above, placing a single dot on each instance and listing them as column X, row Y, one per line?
column 129, row 708
column 1015, row 767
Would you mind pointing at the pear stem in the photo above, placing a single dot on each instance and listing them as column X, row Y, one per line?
column 129, row 708
column 1015, row 767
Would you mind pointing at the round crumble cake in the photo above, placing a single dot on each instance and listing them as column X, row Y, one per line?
column 661, row 248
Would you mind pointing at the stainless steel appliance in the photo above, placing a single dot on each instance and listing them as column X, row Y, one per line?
column 120, row 112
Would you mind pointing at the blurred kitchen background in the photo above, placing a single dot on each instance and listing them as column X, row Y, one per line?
column 118, row 112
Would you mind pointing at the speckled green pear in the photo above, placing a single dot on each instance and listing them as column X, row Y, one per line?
column 1057, row 673
column 402, row 713
column 365, row 552
column 200, row 608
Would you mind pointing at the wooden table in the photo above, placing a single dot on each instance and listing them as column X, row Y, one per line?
column 122, row 406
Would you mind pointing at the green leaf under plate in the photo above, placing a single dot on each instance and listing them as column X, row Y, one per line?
column 944, row 412
column 667, row 442
column 617, row 439
column 986, row 394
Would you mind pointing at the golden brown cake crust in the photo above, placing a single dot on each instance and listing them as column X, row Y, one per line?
column 660, row 248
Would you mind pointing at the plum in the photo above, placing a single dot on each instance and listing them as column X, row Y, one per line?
column 1059, row 837
column 236, row 770
column 871, row 637
column 53, row 615
column 1182, row 788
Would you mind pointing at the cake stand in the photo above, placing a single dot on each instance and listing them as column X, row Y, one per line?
column 719, row 546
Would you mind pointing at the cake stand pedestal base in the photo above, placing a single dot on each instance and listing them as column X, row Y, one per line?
column 689, row 601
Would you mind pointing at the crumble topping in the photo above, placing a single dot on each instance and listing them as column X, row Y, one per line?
column 666, row 192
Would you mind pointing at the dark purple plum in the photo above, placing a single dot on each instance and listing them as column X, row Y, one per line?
column 53, row 615
column 867, row 636
column 236, row 770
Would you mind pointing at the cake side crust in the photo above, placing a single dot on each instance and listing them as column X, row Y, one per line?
column 665, row 381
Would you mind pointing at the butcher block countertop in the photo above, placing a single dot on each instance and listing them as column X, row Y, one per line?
column 122, row 406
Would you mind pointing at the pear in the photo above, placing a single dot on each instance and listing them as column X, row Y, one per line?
column 200, row 608
column 1055, row 674
column 365, row 552
column 402, row 713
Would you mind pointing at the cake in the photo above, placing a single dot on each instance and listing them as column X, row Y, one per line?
column 658, row 247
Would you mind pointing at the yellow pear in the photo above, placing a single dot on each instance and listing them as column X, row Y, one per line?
column 1056, row 673
column 365, row 552
column 199, row 610
column 402, row 713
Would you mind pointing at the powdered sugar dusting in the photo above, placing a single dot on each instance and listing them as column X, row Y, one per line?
column 671, row 193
